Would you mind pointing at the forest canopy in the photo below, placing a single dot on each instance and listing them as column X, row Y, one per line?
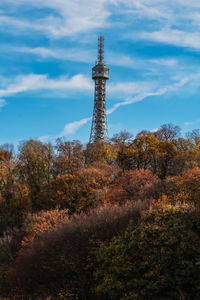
column 109, row 220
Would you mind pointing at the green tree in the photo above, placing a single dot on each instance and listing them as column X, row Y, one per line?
column 156, row 259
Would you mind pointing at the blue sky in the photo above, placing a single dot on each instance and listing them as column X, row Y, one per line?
column 48, row 48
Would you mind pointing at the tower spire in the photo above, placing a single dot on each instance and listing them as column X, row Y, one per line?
column 100, row 73
column 101, row 49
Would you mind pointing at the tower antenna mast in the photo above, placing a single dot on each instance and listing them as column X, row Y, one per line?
column 100, row 73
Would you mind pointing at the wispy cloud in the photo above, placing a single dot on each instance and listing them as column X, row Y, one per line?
column 69, row 129
column 154, row 130
column 67, row 18
column 34, row 82
column 43, row 138
column 71, row 54
column 87, row 56
column 191, row 123
column 148, row 9
column 130, row 88
column 2, row 102
column 167, row 62
column 188, row 123
column 166, row 11
column 14, row 22
column 72, row 127
column 173, row 22
column 161, row 91
column 172, row 36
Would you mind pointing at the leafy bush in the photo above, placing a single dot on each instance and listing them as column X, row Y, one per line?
column 35, row 224
column 185, row 187
column 75, row 192
column 156, row 259
column 134, row 185
column 62, row 258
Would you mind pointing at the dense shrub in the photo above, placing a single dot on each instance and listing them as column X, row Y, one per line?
column 134, row 185
column 75, row 192
column 6, row 258
column 35, row 224
column 156, row 259
column 185, row 187
column 62, row 259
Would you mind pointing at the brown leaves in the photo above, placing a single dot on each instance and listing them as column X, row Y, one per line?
column 134, row 185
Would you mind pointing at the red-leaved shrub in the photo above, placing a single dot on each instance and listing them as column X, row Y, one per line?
column 134, row 185
column 61, row 259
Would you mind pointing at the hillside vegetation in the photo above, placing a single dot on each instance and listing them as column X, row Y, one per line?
column 114, row 220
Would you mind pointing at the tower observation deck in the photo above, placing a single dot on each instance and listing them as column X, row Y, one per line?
column 100, row 73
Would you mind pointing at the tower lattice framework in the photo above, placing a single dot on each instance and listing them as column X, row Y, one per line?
column 100, row 73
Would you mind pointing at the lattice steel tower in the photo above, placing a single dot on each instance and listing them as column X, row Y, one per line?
column 100, row 73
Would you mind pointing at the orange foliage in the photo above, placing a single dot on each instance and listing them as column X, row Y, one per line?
column 163, row 200
column 133, row 185
column 58, row 252
column 75, row 191
column 36, row 224
column 188, row 186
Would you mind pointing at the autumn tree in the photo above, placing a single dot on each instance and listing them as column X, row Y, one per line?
column 34, row 167
column 185, row 187
column 168, row 132
column 100, row 152
column 145, row 133
column 185, row 157
column 194, row 136
column 14, row 195
column 145, row 152
column 133, row 186
column 57, row 257
column 7, row 166
column 123, row 137
column 78, row 191
column 69, row 158
column 156, row 259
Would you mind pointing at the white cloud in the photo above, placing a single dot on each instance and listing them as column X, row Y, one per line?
column 123, row 60
column 14, row 22
column 71, row 128
column 172, row 36
column 188, row 123
column 71, row 54
column 159, row 92
column 176, row 22
column 154, row 130
column 191, row 123
column 43, row 138
column 33, row 82
column 167, row 62
column 87, row 56
column 169, row 11
column 128, row 88
column 68, row 17
column 145, row 8
column 172, row 22
column 142, row 63
column 137, row 98
column 2, row 102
